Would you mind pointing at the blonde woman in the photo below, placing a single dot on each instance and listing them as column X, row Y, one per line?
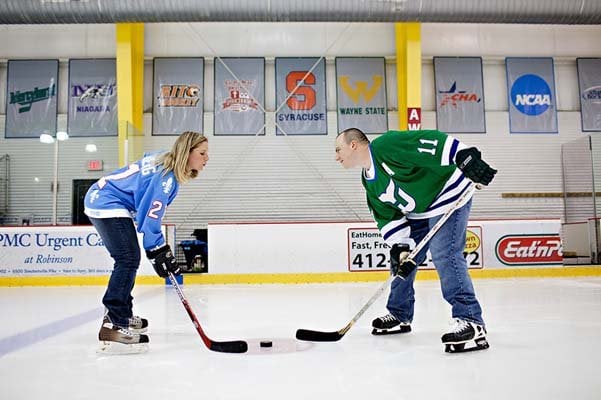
column 138, row 193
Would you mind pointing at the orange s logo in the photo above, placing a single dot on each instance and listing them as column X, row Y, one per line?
column 303, row 98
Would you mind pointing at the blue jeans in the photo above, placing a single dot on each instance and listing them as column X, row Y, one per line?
column 446, row 247
column 119, row 237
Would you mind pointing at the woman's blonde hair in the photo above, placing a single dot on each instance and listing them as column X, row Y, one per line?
column 176, row 160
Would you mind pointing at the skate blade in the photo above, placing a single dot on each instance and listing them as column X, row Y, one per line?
column 481, row 344
column 116, row 348
column 382, row 332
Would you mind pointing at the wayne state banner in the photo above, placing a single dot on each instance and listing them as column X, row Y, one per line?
column 589, row 81
column 178, row 103
column 92, row 98
column 361, row 94
column 531, row 95
column 459, row 94
column 239, row 96
column 31, row 98
column 300, row 85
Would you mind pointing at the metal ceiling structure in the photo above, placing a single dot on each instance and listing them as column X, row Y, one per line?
column 460, row 11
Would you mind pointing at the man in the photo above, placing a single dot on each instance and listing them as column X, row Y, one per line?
column 411, row 178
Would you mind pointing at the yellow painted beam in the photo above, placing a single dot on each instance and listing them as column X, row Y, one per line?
column 130, row 89
column 409, row 71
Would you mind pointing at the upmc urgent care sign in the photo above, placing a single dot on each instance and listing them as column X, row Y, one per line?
column 61, row 251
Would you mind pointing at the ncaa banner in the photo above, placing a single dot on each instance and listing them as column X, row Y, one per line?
column 31, row 98
column 531, row 95
column 239, row 96
column 300, row 86
column 589, row 82
column 178, row 103
column 361, row 94
column 92, row 98
column 459, row 94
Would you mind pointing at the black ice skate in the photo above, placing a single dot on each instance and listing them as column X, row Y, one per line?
column 464, row 332
column 120, row 340
column 389, row 325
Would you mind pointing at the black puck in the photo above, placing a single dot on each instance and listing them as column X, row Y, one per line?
column 265, row 343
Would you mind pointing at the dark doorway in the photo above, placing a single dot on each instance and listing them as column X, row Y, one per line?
column 80, row 188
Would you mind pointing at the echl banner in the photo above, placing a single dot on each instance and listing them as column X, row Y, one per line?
column 300, row 85
column 31, row 98
column 92, row 98
column 361, row 94
column 459, row 94
column 178, row 103
column 239, row 96
column 531, row 95
column 589, row 81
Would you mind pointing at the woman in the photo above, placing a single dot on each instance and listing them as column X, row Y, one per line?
column 140, row 192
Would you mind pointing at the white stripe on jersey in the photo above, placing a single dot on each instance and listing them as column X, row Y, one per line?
column 113, row 213
column 397, row 231
column 447, row 157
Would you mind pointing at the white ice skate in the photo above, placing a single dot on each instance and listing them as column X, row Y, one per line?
column 389, row 325
column 462, row 333
column 119, row 340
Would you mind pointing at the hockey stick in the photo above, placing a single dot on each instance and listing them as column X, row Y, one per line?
column 236, row 346
column 318, row 336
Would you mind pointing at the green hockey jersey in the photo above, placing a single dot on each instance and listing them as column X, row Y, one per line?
column 413, row 176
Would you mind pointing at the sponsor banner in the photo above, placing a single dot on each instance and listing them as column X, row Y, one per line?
column 61, row 251
column 178, row 102
column 533, row 249
column 239, row 96
column 361, row 94
column 31, row 98
column 459, row 94
column 589, row 82
column 368, row 252
column 531, row 95
column 300, row 96
column 92, row 101
column 414, row 118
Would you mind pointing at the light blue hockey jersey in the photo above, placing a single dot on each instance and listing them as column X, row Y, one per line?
column 138, row 191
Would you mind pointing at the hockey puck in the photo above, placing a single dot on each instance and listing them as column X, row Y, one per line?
column 265, row 343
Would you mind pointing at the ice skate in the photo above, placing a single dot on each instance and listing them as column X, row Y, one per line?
column 462, row 333
column 119, row 340
column 389, row 325
column 138, row 324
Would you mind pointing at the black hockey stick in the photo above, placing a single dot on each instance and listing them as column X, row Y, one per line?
column 318, row 336
column 236, row 346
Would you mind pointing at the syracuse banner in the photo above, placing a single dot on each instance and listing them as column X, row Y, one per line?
column 459, row 94
column 361, row 94
column 589, row 82
column 531, row 95
column 178, row 104
column 239, row 96
column 31, row 98
column 300, row 85
column 92, row 98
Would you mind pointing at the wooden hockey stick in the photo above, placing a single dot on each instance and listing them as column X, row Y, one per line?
column 319, row 336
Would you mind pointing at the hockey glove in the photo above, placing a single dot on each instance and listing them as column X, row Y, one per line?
column 163, row 261
column 399, row 264
column 471, row 164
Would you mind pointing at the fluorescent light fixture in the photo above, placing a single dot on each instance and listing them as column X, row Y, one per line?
column 46, row 138
column 36, row 179
column 62, row 136
column 91, row 148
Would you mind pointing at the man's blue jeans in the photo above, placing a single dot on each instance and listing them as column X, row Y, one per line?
column 446, row 248
column 119, row 237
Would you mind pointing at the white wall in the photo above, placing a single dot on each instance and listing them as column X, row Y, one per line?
column 274, row 178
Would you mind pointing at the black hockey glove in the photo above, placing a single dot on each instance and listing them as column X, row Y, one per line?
column 470, row 163
column 163, row 261
column 399, row 264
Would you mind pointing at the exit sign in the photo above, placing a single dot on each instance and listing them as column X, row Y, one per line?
column 95, row 165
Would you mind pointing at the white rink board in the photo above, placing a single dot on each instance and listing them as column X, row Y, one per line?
column 61, row 251
column 244, row 248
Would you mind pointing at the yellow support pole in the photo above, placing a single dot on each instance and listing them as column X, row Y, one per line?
column 409, row 74
column 130, row 90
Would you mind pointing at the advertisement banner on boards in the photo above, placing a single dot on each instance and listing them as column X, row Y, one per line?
column 589, row 82
column 31, row 98
column 531, row 95
column 361, row 94
column 300, row 96
column 178, row 101
column 92, row 98
column 239, row 96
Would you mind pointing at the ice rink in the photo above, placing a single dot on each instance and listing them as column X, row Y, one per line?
column 545, row 337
